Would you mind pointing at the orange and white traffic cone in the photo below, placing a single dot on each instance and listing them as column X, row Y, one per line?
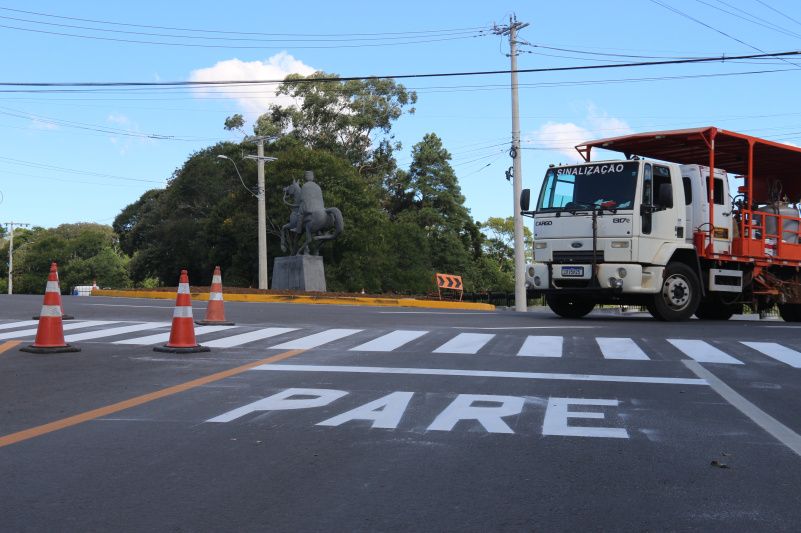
column 63, row 316
column 182, row 332
column 50, row 333
column 215, row 312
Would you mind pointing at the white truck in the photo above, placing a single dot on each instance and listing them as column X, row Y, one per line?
column 652, row 229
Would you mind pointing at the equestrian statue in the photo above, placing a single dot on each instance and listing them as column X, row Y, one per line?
column 310, row 222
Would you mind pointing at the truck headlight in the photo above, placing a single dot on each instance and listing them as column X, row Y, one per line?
column 615, row 283
column 621, row 272
column 539, row 245
column 620, row 244
column 537, row 281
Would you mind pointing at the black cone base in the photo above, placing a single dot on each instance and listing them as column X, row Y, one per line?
column 190, row 349
column 63, row 317
column 213, row 323
column 67, row 348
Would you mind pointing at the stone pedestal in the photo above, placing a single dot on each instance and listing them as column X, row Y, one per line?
column 299, row 272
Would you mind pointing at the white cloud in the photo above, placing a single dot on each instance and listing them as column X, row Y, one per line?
column 253, row 100
column 116, row 118
column 562, row 137
column 43, row 125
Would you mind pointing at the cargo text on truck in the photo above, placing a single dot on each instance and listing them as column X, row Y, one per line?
column 653, row 229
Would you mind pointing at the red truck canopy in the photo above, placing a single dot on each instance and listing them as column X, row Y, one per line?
column 731, row 151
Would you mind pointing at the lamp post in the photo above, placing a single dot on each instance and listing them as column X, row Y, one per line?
column 260, row 197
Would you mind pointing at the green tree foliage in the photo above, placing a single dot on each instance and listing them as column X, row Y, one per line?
column 500, row 241
column 84, row 252
column 341, row 117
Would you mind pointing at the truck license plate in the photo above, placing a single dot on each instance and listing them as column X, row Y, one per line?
column 573, row 272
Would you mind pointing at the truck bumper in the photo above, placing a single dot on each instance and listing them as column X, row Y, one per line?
column 610, row 279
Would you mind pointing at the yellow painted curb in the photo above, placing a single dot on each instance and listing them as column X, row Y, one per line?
column 299, row 299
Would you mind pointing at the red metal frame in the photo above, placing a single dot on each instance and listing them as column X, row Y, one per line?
column 735, row 153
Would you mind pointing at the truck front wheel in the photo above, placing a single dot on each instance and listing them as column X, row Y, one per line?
column 569, row 306
column 679, row 296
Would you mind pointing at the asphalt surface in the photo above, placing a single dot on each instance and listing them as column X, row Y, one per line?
column 340, row 418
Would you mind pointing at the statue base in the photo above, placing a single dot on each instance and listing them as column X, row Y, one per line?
column 299, row 272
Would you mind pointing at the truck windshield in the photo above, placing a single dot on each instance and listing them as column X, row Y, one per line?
column 608, row 185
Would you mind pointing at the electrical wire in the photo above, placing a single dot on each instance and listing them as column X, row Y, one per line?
column 785, row 15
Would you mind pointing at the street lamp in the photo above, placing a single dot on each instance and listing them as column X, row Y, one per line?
column 260, row 197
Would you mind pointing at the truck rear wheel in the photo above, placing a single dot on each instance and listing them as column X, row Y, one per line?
column 569, row 306
column 790, row 312
column 679, row 296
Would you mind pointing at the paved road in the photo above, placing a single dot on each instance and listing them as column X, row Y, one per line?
column 335, row 418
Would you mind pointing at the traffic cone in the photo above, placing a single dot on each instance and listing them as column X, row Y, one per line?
column 63, row 316
column 182, row 332
column 215, row 312
column 50, row 332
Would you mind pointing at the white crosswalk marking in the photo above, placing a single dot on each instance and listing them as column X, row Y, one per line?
column 703, row 352
column 390, row 341
column 467, row 343
column 164, row 337
column 318, row 339
column 620, row 348
column 99, row 334
column 250, row 336
column 778, row 352
column 541, row 346
column 22, row 324
column 66, row 327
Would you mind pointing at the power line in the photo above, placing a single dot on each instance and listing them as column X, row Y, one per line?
column 785, row 15
column 235, row 32
column 336, row 79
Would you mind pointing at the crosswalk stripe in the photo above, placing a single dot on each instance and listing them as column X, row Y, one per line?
column 390, row 341
column 250, row 336
column 620, row 348
column 541, row 346
column 466, row 343
column 318, row 339
column 703, row 352
column 778, row 352
column 114, row 331
column 164, row 337
column 66, row 327
column 22, row 324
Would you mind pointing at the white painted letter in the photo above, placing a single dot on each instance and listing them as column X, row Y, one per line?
column 557, row 413
column 490, row 417
column 282, row 401
column 385, row 412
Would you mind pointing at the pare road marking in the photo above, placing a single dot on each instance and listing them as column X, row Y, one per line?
column 489, row 411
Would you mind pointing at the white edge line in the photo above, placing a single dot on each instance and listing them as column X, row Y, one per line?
column 779, row 431
column 481, row 373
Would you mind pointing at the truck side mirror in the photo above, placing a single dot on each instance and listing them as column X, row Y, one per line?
column 665, row 198
column 525, row 199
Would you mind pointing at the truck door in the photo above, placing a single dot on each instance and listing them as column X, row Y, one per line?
column 657, row 212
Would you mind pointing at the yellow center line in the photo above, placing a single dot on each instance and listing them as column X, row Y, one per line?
column 6, row 346
column 37, row 431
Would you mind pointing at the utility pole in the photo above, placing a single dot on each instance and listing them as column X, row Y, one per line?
column 517, row 178
column 10, row 226
column 260, row 159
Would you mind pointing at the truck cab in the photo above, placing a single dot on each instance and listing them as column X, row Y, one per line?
column 621, row 231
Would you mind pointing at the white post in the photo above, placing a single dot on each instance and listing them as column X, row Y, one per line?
column 520, row 256
column 263, row 282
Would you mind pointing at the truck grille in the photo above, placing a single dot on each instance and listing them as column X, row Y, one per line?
column 583, row 256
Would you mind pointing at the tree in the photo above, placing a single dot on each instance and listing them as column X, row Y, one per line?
column 499, row 244
column 340, row 117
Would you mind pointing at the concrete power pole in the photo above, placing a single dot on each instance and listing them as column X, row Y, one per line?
column 260, row 159
column 517, row 181
column 10, row 226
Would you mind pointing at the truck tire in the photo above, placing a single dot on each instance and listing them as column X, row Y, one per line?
column 569, row 306
column 790, row 312
column 714, row 309
column 678, row 299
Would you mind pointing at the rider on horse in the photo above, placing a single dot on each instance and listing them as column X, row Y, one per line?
column 311, row 200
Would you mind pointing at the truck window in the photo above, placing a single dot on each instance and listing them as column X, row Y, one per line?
column 688, row 190
column 718, row 192
column 588, row 186
column 647, row 196
column 661, row 175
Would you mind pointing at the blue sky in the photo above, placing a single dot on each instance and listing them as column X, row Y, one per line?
column 72, row 157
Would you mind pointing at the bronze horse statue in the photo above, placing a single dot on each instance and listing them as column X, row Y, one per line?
column 318, row 225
